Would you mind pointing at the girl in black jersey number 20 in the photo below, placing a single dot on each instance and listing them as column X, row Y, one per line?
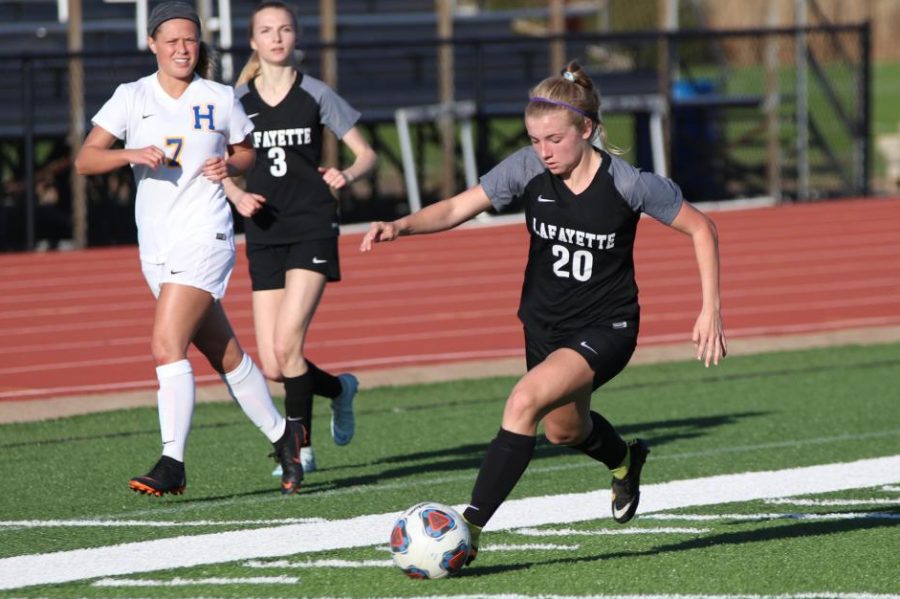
column 291, row 215
column 579, row 303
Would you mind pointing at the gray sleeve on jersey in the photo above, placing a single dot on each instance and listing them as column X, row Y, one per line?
column 335, row 112
column 507, row 180
column 241, row 91
column 658, row 196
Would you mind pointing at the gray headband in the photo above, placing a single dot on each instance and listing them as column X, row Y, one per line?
column 168, row 11
column 561, row 104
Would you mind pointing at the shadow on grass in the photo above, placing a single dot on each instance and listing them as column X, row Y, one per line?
column 691, row 428
column 468, row 457
column 805, row 529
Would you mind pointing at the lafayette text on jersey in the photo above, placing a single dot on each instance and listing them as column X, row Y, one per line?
column 288, row 140
column 175, row 201
column 580, row 270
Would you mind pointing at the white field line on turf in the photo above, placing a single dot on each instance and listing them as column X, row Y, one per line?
column 530, row 547
column 372, row 529
column 186, row 582
column 891, row 488
column 469, row 478
column 820, row 595
column 573, row 532
column 831, row 502
column 320, row 563
column 794, row 516
column 149, row 523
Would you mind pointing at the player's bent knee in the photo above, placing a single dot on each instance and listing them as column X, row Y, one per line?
column 165, row 352
column 271, row 372
column 521, row 406
column 288, row 358
column 563, row 437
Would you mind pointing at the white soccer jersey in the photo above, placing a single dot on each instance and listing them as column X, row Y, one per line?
column 176, row 201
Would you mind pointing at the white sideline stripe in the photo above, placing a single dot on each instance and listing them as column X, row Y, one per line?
column 321, row 563
column 891, row 488
column 573, row 532
column 373, row 529
column 832, row 502
column 792, row 516
column 187, row 582
column 149, row 523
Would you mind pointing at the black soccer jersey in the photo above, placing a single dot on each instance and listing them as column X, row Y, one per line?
column 288, row 142
column 580, row 271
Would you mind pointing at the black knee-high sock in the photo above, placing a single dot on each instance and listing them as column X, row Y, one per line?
column 298, row 399
column 506, row 459
column 324, row 383
column 603, row 443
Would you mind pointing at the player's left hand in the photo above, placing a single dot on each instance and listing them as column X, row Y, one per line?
column 215, row 169
column 334, row 178
column 709, row 337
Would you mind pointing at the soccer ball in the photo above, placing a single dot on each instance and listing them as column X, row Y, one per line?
column 430, row 540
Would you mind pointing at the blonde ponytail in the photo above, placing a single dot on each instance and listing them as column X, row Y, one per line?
column 250, row 70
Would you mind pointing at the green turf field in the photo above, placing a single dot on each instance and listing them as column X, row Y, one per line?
column 65, row 488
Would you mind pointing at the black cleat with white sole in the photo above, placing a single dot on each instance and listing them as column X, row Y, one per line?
column 626, row 493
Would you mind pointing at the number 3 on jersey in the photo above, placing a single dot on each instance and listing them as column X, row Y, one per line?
column 578, row 264
column 279, row 166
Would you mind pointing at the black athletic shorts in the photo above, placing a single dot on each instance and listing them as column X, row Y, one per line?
column 268, row 263
column 606, row 349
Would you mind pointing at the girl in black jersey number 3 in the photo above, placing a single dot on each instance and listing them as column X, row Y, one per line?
column 291, row 216
column 579, row 298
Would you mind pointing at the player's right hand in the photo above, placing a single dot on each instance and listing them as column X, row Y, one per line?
column 249, row 204
column 378, row 231
column 150, row 156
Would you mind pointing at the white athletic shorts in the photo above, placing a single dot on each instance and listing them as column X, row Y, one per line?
column 201, row 265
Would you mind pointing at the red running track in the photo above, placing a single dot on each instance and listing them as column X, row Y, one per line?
column 74, row 323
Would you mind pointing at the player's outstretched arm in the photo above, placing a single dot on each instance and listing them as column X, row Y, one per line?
column 440, row 216
column 709, row 331
column 96, row 156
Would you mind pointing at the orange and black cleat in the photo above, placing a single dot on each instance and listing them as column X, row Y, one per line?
column 167, row 476
column 287, row 453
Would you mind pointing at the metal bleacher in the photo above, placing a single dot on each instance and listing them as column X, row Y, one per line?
column 386, row 55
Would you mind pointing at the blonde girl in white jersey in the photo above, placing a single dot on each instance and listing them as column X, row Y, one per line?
column 185, row 134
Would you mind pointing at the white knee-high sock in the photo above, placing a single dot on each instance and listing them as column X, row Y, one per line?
column 248, row 388
column 175, row 402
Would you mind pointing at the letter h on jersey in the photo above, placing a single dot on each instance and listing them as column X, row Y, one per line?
column 208, row 116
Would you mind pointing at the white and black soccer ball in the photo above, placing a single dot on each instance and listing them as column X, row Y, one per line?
column 430, row 540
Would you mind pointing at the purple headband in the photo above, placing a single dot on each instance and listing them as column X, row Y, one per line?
column 562, row 104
